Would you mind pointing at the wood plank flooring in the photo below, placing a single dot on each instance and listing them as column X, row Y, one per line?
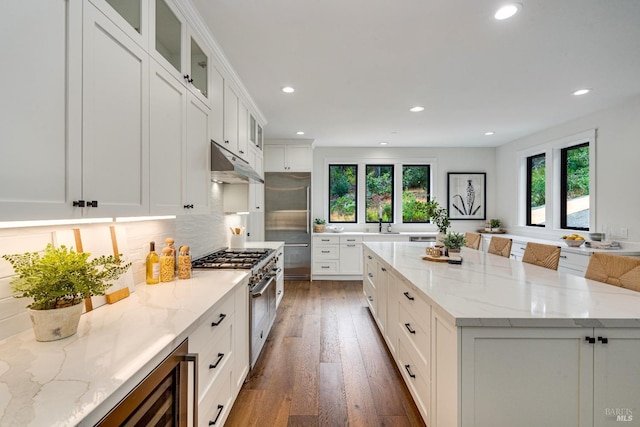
column 324, row 364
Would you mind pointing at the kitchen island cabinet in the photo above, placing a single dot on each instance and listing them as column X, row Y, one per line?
column 77, row 380
column 496, row 342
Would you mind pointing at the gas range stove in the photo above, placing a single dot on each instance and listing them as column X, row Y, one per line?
column 259, row 261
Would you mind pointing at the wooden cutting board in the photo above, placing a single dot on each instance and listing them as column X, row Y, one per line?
column 435, row 259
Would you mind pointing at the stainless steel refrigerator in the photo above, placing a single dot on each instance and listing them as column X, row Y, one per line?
column 288, row 219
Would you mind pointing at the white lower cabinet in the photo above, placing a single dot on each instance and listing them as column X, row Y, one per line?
column 509, row 376
column 279, row 275
column 222, row 344
column 337, row 256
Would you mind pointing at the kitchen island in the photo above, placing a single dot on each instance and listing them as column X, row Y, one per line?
column 77, row 380
column 497, row 342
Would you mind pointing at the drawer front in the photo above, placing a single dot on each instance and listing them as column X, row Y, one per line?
column 350, row 239
column 417, row 332
column 411, row 299
column 325, row 267
column 416, row 376
column 210, row 330
column 370, row 270
column 326, row 252
column 575, row 260
column 216, row 403
column 370, row 295
column 326, row 240
column 215, row 358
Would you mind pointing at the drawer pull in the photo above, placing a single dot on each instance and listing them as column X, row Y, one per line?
column 326, row 252
column 215, row 365
column 590, row 340
column 408, row 326
column 410, row 298
column 523, row 248
column 563, row 256
column 383, row 269
column 370, row 298
column 603, row 340
column 369, row 256
column 351, row 240
column 212, row 423
column 408, row 368
column 222, row 316
column 351, row 246
column 371, row 275
column 325, row 240
column 325, row 266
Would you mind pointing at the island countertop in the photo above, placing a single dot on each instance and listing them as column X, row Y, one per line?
column 489, row 290
column 77, row 380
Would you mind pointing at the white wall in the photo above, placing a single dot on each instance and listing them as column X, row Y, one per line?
column 442, row 160
column 617, row 169
column 203, row 233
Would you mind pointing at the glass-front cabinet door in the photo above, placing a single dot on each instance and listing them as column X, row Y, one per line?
column 168, row 35
column 131, row 16
column 199, row 65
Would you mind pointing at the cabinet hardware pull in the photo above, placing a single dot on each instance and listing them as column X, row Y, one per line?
column 408, row 326
column 370, row 274
column 410, row 298
column 187, row 78
column 325, row 266
column 351, row 246
column 383, row 269
column 370, row 298
column 590, row 340
column 369, row 256
column 408, row 368
column 215, row 365
column 241, row 152
column 222, row 316
column 212, row 423
column 563, row 256
column 92, row 204
column 188, row 206
column 79, row 203
column 522, row 248
column 603, row 340
column 326, row 252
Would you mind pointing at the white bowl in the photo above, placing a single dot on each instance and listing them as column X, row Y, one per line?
column 573, row 243
column 335, row 229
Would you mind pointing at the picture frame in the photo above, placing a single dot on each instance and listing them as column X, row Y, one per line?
column 466, row 195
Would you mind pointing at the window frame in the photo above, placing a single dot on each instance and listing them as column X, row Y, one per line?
column 355, row 215
column 402, row 166
column 563, row 185
column 393, row 192
column 528, row 191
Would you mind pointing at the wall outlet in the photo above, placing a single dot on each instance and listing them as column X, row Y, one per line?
column 624, row 232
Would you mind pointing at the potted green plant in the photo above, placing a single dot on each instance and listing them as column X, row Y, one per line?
column 319, row 225
column 58, row 281
column 495, row 224
column 454, row 241
column 438, row 216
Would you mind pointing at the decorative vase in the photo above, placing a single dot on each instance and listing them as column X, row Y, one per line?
column 55, row 324
column 319, row 228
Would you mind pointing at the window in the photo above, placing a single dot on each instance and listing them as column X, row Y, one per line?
column 415, row 193
column 536, row 188
column 379, row 200
column 343, row 185
column 574, row 187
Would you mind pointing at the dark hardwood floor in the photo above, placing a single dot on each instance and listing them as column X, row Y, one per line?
column 324, row 364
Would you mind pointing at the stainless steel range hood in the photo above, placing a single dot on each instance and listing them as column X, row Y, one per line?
column 228, row 168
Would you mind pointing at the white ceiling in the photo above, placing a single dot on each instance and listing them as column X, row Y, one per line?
column 359, row 65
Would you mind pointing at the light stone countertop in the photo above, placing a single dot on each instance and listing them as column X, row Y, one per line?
column 489, row 290
column 77, row 380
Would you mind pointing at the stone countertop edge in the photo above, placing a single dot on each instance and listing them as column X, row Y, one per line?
column 77, row 380
column 491, row 291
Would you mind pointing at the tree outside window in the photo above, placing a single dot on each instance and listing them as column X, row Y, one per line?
column 379, row 199
column 415, row 193
column 343, row 184
column 574, row 187
column 536, row 190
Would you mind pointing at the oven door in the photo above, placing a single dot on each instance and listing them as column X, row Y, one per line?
column 263, row 297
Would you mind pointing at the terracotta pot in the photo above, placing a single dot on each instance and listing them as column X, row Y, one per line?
column 52, row 325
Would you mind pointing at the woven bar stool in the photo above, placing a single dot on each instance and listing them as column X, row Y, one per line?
column 472, row 240
column 616, row 270
column 500, row 246
column 546, row 256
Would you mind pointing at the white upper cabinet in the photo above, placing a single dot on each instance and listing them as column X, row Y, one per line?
column 176, row 46
column 287, row 158
column 131, row 16
column 216, row 95
column 197, row 168
column 231, row 103
column 243, row 131
column 115, row 126
column 40, row 121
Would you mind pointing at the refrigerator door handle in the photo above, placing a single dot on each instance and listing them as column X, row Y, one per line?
column 308, row 209
column 296, row 245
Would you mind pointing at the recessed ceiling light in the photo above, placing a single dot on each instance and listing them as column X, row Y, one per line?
column 288, row 89
column 489, row 133
column 416, row 109
column 299, row 133
column 582, row 92
column 383, row 143
column 507, row 11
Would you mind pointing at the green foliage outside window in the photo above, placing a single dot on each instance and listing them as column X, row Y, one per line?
column 379, row 200
column 342, row 193
column 415, row 193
